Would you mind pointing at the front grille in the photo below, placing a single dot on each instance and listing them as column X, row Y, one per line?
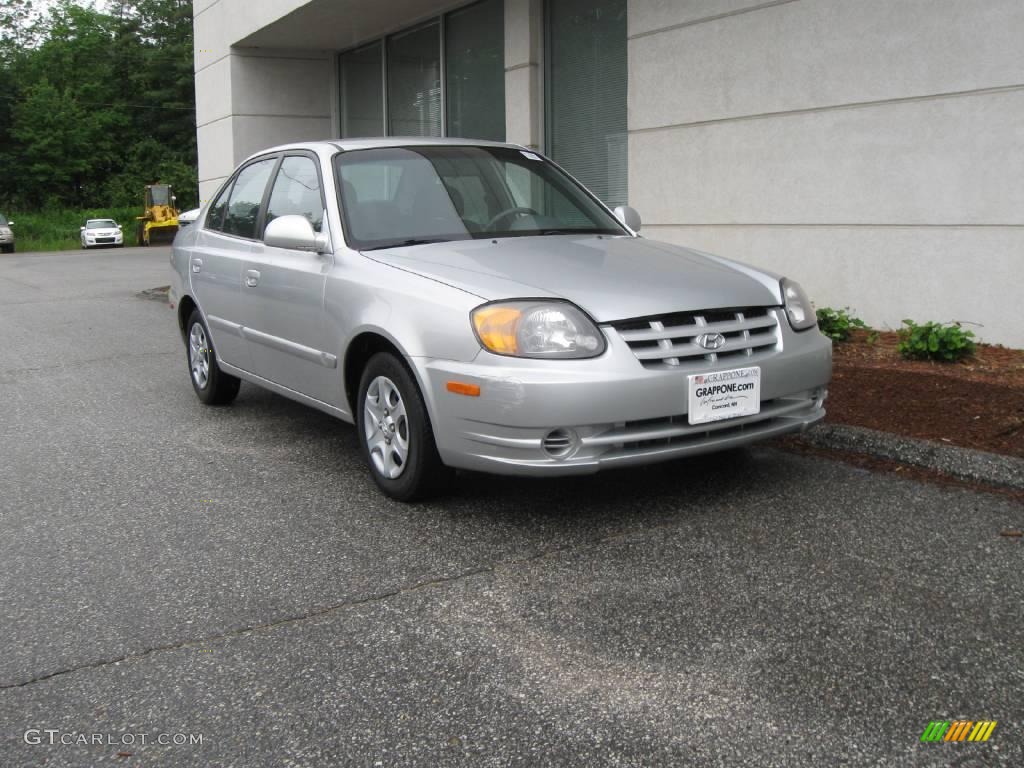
column 104, row 239
column 668, row 341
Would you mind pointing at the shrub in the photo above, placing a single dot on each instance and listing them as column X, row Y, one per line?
column 838, row 324
column 935, row 341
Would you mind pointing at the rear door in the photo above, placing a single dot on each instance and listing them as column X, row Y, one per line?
column 283, row 291
column 215, row 266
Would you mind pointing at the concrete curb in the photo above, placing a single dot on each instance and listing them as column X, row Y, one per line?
column 964, row 463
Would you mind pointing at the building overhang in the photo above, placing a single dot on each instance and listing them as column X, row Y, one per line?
column 340, row 24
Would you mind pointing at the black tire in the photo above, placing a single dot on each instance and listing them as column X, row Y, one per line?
column 216, row 387
column 421, row 473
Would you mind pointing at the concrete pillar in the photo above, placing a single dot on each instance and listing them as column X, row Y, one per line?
column 524, row 73
column 248, row 101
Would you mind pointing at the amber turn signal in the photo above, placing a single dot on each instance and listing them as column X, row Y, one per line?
column 461, row 388
column 496, row 326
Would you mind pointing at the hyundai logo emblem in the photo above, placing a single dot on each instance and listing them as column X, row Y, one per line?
column 711, row 340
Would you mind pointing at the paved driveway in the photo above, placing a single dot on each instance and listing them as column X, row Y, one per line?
column 232, row 575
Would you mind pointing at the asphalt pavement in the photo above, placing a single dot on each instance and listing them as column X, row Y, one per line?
column 230, row 578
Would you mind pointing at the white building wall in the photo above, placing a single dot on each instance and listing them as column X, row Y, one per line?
column 251, row 98
column 874, row 150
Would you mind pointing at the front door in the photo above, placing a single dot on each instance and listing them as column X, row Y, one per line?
column 283, row 293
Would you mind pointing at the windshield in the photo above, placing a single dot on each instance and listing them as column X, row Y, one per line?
column 408, row 195
column 100, row 224
column 3, row 220
column 160, row 195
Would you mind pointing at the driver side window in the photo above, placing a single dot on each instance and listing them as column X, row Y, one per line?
column 297, row 192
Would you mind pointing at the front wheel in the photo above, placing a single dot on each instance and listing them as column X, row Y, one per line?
column 395, row 432
column 212, row 385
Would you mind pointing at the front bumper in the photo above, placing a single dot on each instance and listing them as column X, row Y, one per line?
column 609, row 411
column 104, row 240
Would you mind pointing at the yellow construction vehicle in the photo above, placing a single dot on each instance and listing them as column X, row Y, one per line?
column 159, row 222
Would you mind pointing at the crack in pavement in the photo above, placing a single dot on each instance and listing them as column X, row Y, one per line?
column 375, row 598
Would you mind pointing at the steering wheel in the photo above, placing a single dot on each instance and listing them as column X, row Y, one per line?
column 509, row 213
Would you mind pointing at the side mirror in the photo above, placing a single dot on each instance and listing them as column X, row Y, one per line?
column 10, row 223
column 81, row 229
column 118, row 226
column 294, row 232
column 628, row 216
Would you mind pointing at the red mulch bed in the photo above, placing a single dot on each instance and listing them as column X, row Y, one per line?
column 975, row 403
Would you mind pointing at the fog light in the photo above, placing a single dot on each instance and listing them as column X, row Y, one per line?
column 820, row 396
column 560, row 443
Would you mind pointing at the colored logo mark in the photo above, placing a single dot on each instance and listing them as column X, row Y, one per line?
column 958, row 730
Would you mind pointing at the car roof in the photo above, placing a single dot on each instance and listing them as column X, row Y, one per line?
column 329, row 147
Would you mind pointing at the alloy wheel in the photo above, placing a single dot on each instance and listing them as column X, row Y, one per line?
column 386, row 427
column 199, row 355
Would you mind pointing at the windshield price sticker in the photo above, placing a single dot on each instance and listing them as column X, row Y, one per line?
column 724, row 395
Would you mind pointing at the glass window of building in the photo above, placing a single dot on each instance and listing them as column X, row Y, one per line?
column 398, row 86
column 586, row 93
column 475, row 71
column 414, row 82
column 362, row 92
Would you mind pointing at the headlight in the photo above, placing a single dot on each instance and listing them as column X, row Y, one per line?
column 554, row 329
column 798, row 306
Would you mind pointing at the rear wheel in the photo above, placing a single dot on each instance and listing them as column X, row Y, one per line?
column 395, row 433
column 212, row 385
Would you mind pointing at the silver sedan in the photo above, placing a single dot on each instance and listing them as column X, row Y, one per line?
column 6, row 235
column 470, row 305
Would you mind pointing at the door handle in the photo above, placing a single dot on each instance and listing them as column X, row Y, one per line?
column 252, row 277
column 197, row 265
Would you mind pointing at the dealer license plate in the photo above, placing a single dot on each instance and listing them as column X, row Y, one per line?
column 724, row 395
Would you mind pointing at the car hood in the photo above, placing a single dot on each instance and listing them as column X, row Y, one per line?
column 610, row 278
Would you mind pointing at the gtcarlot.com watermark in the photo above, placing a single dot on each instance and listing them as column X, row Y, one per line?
column 53, row 736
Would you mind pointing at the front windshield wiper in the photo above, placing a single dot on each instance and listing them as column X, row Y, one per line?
column 593, row 231
column 410, row 241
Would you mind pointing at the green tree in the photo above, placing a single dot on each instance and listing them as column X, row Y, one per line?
column 55, row 137
column 94, row 105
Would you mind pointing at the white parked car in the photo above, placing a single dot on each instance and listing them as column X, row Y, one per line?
column 188, row 217
column 102, row 232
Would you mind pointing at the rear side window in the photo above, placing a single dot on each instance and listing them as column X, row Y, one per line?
column 297, row 192
column 246, row 196
column 215, row 216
